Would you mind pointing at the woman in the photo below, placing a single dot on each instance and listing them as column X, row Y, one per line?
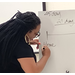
column 16, row 35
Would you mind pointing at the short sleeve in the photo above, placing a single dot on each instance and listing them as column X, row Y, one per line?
column 23, row 50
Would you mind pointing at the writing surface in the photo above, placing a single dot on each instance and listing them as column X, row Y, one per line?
column 58, row 33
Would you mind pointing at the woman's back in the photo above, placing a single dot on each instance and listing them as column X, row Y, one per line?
column 22, row 50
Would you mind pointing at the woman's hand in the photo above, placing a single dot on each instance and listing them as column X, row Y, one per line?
column 35, row 42
column 46, row 51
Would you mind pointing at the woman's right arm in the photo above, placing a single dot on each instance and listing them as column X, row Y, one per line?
column 46, row 54
column 30, row 66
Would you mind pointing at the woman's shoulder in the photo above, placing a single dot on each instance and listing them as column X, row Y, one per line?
column 22, row 43
column 23, row 49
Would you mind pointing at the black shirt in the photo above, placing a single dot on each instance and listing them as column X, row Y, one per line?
column 23, row 50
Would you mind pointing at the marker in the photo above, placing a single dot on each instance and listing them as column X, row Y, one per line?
column 39, row 43
column 43, row 48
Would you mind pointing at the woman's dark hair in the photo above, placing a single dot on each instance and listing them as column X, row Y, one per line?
column 12, row 31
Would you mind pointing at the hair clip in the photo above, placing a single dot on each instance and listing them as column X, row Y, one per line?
column 18, row 13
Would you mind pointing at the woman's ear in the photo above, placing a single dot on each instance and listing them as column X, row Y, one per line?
column 30, row 31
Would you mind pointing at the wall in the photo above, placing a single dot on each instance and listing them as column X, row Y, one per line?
column 60, row 5
column 8, row 9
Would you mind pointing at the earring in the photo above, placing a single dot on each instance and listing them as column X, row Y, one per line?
column 27, row 39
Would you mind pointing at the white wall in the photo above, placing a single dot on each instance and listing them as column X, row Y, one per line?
column 60, row 5
column 8, row 9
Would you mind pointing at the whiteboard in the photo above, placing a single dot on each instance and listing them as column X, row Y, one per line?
column 58, row 33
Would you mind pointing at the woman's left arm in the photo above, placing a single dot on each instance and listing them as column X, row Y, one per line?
column 35, row 42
